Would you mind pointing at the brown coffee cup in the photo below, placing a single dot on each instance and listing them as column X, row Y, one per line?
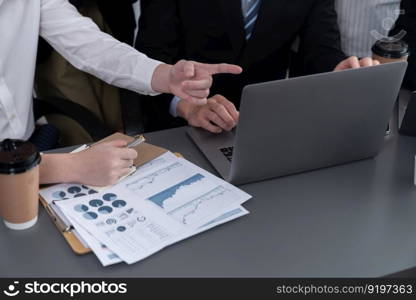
column 19, row 184
column 388, row 51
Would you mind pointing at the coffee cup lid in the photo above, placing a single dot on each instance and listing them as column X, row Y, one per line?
column 17, row 156
column 391, row 49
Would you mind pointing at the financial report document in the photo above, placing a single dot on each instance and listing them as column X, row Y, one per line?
column 162, row 203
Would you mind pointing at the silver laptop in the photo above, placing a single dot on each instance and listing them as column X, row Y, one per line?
column 305, row 123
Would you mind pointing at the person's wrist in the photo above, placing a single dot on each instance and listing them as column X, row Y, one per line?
column 184, row 109
column 161, row 79
column 71, row 162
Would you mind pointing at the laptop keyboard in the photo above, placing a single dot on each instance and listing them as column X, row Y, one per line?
column 228, row 152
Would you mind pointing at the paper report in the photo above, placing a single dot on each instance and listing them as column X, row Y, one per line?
column 168, row 200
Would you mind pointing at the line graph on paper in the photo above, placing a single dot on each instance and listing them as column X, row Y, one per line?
column 168, row 179
column 187, row 203
column 138, row 184
column 186, row 194
column 203, row 206
column 163, row 159
column 195, row 182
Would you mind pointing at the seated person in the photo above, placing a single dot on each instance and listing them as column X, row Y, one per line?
column 362, row 23
column 80, row 41
column 256, row 34
column 407, row 22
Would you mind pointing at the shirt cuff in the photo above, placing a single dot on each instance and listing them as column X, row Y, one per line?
column 173, row 106
column 150, row 66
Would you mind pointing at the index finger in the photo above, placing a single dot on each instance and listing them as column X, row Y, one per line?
column 127, row 153
column 115, row 143
column 213, row 69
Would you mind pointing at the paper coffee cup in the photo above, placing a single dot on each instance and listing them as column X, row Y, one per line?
column 387, row 51
column 19, row 184
column 21, row 226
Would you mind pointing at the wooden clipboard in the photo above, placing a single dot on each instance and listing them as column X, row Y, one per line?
column 146, row 152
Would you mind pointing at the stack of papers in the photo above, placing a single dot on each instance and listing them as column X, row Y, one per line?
column 165, row 201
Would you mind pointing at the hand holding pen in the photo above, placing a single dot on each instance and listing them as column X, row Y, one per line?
column 107, row 162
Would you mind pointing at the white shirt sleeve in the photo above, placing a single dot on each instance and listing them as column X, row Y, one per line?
column 80, row 41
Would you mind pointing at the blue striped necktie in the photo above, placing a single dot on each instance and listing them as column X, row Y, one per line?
column 250, row 16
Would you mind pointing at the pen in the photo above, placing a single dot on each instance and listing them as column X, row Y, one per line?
column 137, row 141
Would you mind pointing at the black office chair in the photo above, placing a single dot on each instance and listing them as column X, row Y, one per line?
column 45, row 135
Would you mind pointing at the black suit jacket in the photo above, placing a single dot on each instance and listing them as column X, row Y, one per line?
column 407, row 22
column 212, row 31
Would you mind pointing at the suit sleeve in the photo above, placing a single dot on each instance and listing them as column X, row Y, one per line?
column 159, row 29
column 159, row 36
column 320, row 41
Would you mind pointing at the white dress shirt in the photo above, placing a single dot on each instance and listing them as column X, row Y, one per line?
column 76, row 38
column 362, row 22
